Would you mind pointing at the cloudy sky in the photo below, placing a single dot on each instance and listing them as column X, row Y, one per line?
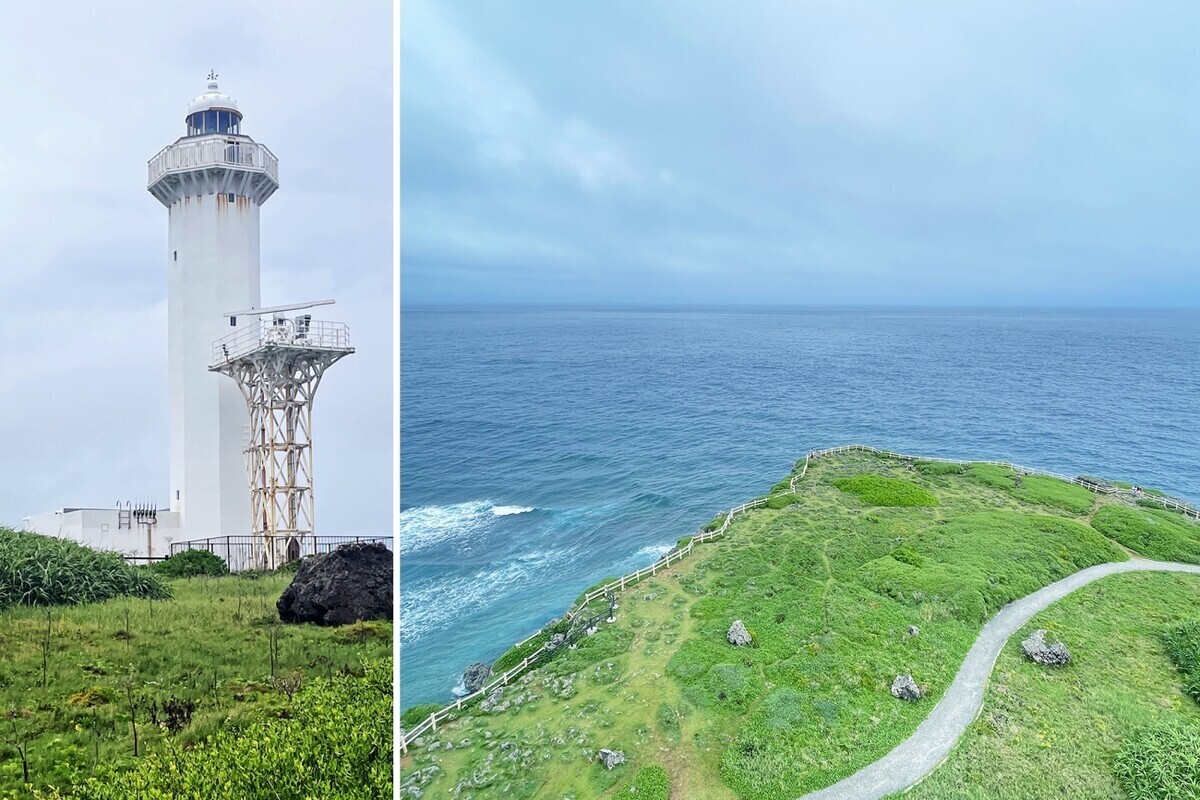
column 794, row 153
column 92, row 91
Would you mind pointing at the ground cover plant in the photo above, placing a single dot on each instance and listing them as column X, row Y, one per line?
column 1074, row 732
column 1036, row 489
column 1183, row 648
column 1155, row 534
column 76, row 682
column 43, row 570
column 334, row 742
column 880, row 490
column 828, row 589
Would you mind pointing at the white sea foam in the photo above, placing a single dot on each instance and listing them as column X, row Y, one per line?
column 506, row 511
column 654, row 550
column 433, row 605
column 426, row 526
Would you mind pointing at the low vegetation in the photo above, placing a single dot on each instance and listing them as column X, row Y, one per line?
column 880, row 490
column 335, row 741
column 191, row 564
column 92, row 689
column 1156, row 534
column 42, row 570
column 1183, row 648
column 1035, row 489
column 829, row 589
column 1090, row 730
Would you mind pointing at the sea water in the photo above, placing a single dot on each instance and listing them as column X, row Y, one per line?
column 543, row 450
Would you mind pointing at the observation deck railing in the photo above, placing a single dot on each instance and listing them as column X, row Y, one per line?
column 679, row 552
column 291, row 333
column 211, row 152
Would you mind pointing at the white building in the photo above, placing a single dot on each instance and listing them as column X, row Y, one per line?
column 109, row 529
column 213, row 180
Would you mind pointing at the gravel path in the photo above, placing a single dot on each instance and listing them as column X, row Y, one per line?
column 921, row 753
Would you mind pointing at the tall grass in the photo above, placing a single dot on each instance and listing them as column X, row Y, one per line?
column 880, row 490
column 42, row 570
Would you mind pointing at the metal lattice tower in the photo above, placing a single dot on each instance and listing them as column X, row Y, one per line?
column 278, row 365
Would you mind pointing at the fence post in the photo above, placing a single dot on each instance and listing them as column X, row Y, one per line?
column 433, row 722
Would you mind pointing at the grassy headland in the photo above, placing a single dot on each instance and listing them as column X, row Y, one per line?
column 828, row 582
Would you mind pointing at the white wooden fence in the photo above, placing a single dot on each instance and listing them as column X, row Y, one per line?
column 677, row 554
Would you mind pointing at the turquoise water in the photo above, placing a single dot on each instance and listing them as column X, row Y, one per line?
column 542, row 450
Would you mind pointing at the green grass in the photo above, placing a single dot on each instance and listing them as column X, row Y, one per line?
column 1056, row 733
column 828, row 587
column 1035, row 489
column 335, row 742
column 650, row 783
column 880, row 490
column 43, row 570
column 216, row 643
column 1162, row 762
column 939, row 468
column 1183, row 648
column 1160, row 535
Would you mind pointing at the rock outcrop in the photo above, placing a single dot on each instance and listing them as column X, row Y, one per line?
column 1055, row 655
column 905, row 688
column 610, row 758
column 738, row 636
column 354, row 582
column 476, row 676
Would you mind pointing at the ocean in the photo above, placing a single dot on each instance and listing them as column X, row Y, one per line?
column 542, row 450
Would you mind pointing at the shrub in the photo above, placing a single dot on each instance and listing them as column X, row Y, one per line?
column 343, row 715
column 716, row 523
column 1183, row 648
column 650, row 783
column 778, row 501
column 43, row 570
column 939, row 468
column 880, row 490
column 1047, row 491
column 1153, row 535
column 1161, row 762
column 414, row 716
column 190, row 563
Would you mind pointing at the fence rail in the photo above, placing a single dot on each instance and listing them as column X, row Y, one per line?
column 430, row 723
column 239, row 551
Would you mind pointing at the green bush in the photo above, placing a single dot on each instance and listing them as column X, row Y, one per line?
column 417, row 714
column 939, row 468
column 716, row 523
column 1152, row 535
column 1183, row 648
column 650, row 783
column 43, row 570
column 190, row 563
column 1162, row 762
column 1040, row 489
column 778, row 501
column 880, row 490
column 294, row 756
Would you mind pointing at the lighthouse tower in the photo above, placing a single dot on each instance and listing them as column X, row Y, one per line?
column 213, row 181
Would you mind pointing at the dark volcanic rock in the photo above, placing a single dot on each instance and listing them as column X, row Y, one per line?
column 1055, row 655
column 476, row 676
column 353, row 582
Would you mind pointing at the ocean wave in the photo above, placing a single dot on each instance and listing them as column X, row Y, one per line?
column 425, row 526
column 654, row 551
column 433, row 605
column 508, row 511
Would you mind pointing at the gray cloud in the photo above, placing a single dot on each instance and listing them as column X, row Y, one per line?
column 800, row 153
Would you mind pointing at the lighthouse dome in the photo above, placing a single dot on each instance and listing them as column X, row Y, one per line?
column 213, row 112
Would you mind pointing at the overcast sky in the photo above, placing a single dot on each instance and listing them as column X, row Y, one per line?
column 834, row 152
column 93, row 91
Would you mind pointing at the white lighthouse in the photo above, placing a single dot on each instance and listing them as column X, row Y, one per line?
column 213, row 181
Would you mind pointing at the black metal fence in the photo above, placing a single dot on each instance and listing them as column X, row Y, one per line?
column 244, row 552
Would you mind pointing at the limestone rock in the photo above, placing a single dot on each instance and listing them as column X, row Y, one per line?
column 556, row 641
column 354, row 582
column 476, row 676
column 913, row 630
column 905, row 688
column 610, row 758
column 738, row 635
column 1055, row 655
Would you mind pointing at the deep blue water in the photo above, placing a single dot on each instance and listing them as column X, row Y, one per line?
column 543, row 450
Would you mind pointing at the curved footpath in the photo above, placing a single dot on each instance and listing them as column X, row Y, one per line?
column 921, row 753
